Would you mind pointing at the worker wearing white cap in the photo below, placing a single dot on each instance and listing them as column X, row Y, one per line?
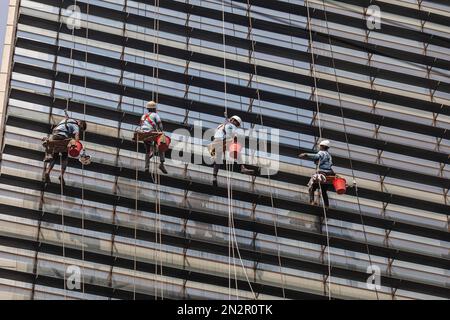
column 325, row 164
column 224, row 133
column 150, row 121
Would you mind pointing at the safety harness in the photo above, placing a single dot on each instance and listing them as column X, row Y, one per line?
column 222, row 127
column 152, row 123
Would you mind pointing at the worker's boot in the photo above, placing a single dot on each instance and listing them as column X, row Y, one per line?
column 244, row 170
column 162, row 168
column 215, row 181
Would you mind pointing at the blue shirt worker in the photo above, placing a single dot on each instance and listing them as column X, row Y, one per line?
column 325, row 163
column 151, row 122
column 65, row 130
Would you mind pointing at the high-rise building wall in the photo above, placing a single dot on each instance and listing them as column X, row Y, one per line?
column 375, row 83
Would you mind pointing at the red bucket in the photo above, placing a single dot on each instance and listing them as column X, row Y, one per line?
column 235, row 149
column 339, row 185
column 75, row 149
column 163, row 143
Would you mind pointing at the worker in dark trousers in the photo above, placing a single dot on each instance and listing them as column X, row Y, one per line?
column 151, row 122
column 319, row 179
column 225, row 134
column 64, row 130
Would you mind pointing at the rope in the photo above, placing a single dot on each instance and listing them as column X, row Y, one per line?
column 155, row 176
column 135, row 217
column 320, row 135
column 347, row 142
column 229, row 191
column 136, row 189
column 44, row 184
column 66, row 111
column 224, row 61
column 268, row 174
column 232, row 230
column 84, row 135
column 158, row 176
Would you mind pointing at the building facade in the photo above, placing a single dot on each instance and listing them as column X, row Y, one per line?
column 373, row 77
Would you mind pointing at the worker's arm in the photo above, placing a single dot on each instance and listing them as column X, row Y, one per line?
column 158, row 122
column 312, row 156
column 160, row 125
column 75, row 131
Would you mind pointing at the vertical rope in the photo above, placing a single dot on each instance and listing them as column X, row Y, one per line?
column 158, row 176
column 275, row 221
column 136, row 189
column 311, row 43
column 66, row 111
column 346, row 139
column 84, row 136
column 230, row 239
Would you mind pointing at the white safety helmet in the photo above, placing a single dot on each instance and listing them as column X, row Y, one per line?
column 151, row 105
column 238, row 120
column 325, row 143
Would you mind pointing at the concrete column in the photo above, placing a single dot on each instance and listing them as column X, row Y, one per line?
column 6, row 62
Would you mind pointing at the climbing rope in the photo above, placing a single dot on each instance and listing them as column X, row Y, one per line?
column 62, row 181
column 135, row 217
column 84, row 138
column 275, row 220
column 158, row 176
column 346, row 139
column 317, row 115
column 233, row 242
column 155, row 176
column 229, row 190
column 136, row 182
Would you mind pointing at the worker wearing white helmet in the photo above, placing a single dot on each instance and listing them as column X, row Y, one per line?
column 226, row 132
column 324, row 162
column 228, row 129
column 150, row 121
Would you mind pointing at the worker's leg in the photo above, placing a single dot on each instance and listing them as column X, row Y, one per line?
column 312, row 189
column 52, row 163
column 64, row 162
column 162, row 158
column 48, row 150
column 244, row 169
column 324, row 188
column 216, row 150
column 148, row 154
column 216, row 168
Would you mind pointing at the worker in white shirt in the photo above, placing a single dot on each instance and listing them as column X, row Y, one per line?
column 225, row 133
column 151, row 122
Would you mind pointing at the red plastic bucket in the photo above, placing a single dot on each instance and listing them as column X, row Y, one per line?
column 163, row 143
column 235, row 149
column 339, row 185
column 75, row 149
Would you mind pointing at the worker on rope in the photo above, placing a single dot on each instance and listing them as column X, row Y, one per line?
column 66, row 130
column 225, row 134
column 319, row 179
column 151, row 122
